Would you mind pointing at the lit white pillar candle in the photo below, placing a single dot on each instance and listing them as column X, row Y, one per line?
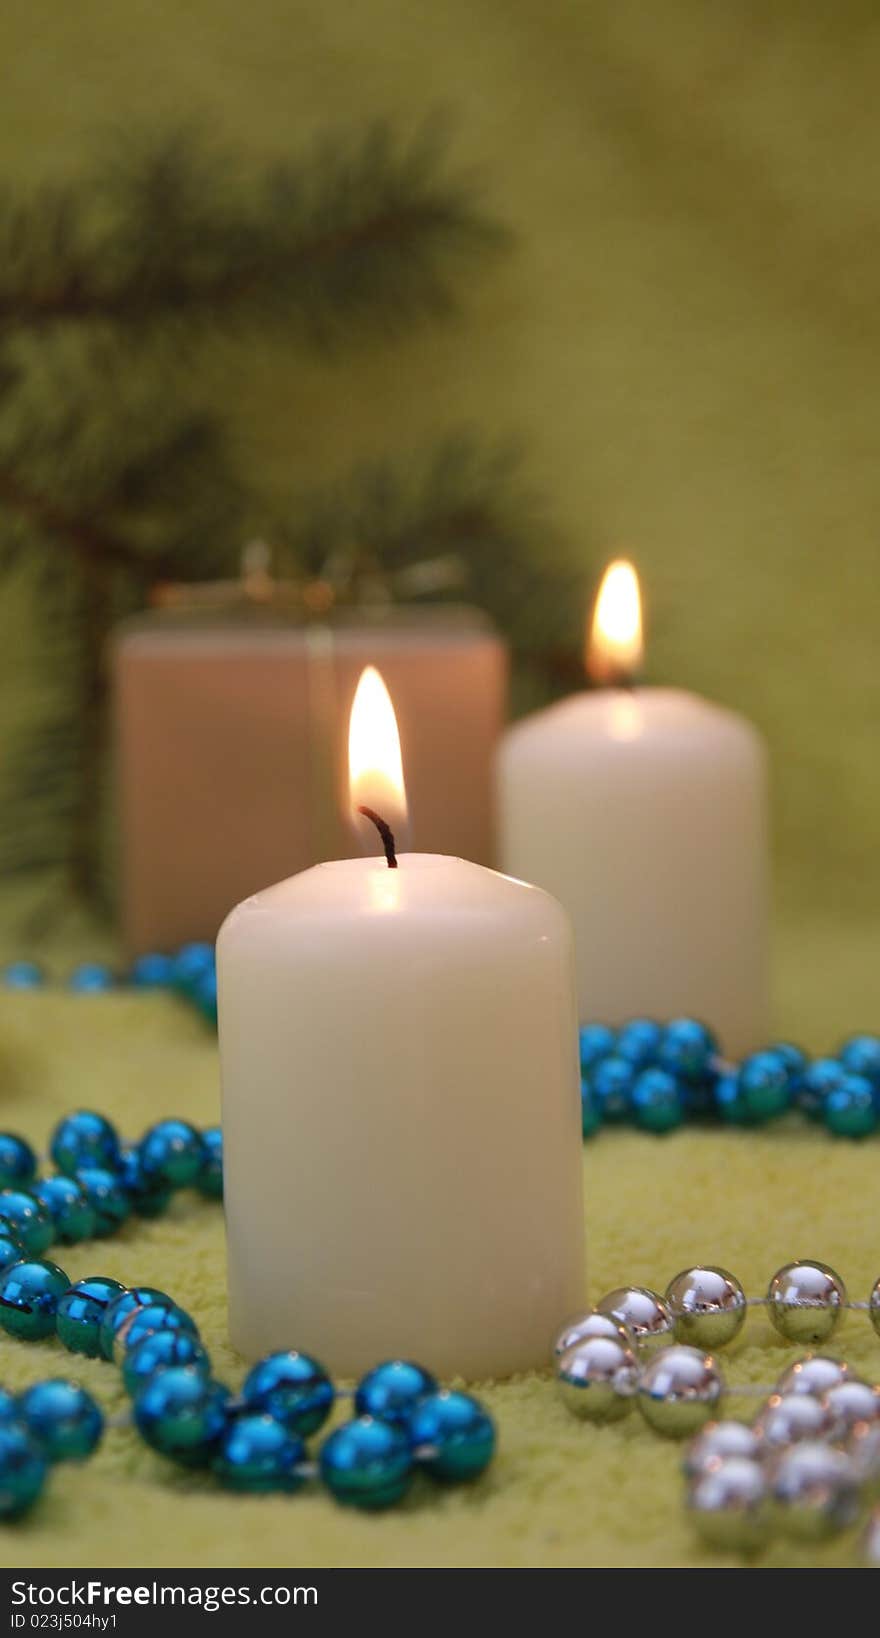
column 644, row 810
column 401, row 1110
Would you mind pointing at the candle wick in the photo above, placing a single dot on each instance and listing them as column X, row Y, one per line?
column 386, row 834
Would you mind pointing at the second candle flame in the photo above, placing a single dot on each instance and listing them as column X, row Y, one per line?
column 614, row 645
column 375, row 765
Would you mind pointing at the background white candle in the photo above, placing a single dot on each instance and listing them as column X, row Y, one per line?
column 402, row 1153
column 645, row 812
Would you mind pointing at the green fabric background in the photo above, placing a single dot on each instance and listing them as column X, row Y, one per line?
column 686, row 337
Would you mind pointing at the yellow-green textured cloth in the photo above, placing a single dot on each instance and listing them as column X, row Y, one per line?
column 559, row 1493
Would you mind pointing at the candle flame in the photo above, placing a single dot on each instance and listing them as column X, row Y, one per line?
column 375, row 766
column 614, row 646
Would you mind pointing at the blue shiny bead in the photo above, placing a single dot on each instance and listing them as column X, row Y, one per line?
column 117, row 1312
column 28, row 1219
column 90, row 978
column 158, row 1352
column 183, row 1414
column 84, row 1139
column 204, row 994
column 258, row 1454
column 149, row 1197
column 191, row 963
column 367, row 1463
column 73, row 1216
column 455, row 1435
column 23, row 1470
column 591, row 1113
column 11, row 1248
column 81, row 1310
column 816, row 1081
column 8, row 1407
column 612, row 1082
column 29, row 1294
column 63, row 1418
column 765, row 1086
column 850, row 1109
column 391, row 1391
column 18, row 1163
column 657, row 1102
column 292, row 1387
column 639, row 1042
column 860, row 1055
column 107, row 1196
column 687, row 1048
column 153, row 971
column 595, row 1041
column 730, row 1101
column 23, row 975
column 171, row 1153
column 146, row 1322
column 210, row 1178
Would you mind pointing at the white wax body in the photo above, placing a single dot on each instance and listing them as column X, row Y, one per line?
column 401, row 1117
column 645, row 814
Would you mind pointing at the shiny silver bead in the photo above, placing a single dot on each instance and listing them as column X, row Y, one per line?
column 848, row 1404
column 592, row 1324
column 788, row 1418
column 874, row 1306
column 863, row 1450
column 720, row 1442
column 643, row 1312
column 679, row 1389
column 805, row 1301
column 596, row 1379
column 708, row 1306
column 814, row 1374
column 730, row 1505
column 815, row 1491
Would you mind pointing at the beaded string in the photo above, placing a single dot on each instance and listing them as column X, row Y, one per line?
column 252, row 1441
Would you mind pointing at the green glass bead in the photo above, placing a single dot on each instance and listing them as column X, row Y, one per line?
column 71, row 1212
column 18, row 1163
column 64, row 1419
column 850, row 1110
column 171, row 1153
column 29, row 1293
column 118, row 1311
column 182, row 1414
column 23, row 1470
column 28, row 1219
column 257, row 1455
column 765, row 1085
column 81, row 1310
column 456, row 1433
column 107, row 1197
column 367, row 1463
column 84, row 1139
column 657, row 1101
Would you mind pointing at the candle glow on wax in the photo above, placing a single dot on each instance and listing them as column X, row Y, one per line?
column 375, row 765
column 614, row 645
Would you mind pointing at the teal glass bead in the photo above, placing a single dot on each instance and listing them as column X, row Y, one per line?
column 815, row 1082
column 28, row 1219
column 11, row 1248
column 117, row 1312
column 455, row 1434
column 850, row 1109
column 29, row 1293
column 149, row 1197
column 182, row 1413
column 158, row 1352
column 23, row 975
column 81, row 1310
column 392, row 1390
column 145, row 1322
column 687, row 1048
column 84, row 1139
column 657, row 1103
column 73, row 1216
column 765, row 1087
column 152, row 971
column 595, row 1041
column 210, row 1178
column 293, row 1387
column 730, row 1101
column 105, row 1193
column 639, row 1042
column 257, row 1454
column 64, row 1419
column 23, row 1470
column 591, row 1113
column 191, row 962
column 204, row 994
column 860, row 1055
column 171, row 1153
column 612, row 1082
column 366, row 1463
column 18, row 1163
column 90, row 978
